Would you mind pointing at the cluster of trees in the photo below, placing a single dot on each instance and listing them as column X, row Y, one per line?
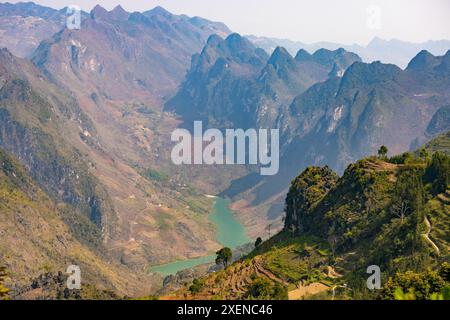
column 224, row 256
column 438, row 172
column 429, row 285
column 196, row 287
column 263, row 289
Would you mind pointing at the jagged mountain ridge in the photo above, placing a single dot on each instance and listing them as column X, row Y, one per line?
column 122, row 55
column 233, row 83
column 342, row 119
column 387, row 51
column 24, row 25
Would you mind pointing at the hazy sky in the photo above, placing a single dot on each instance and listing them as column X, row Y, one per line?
column 343, row 21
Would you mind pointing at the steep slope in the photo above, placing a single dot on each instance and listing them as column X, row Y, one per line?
column 338, row 121
column 233, row 83
column 392, row 213
column 37, row 238
column 440, row 121
column 24, row 25
column 373, row 104
column 217, row 84
column 119, row 67
column 35, row 119
column 121, row 55
column 131, row 211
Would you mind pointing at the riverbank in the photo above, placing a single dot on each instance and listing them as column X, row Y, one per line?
column 230, row 233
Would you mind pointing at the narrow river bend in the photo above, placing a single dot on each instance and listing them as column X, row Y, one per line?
column 230, row 233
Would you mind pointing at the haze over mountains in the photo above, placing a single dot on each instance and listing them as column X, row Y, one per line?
column 387, row 51
column 86, row 117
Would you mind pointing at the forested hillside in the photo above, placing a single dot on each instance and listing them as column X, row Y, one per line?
column 389, row 212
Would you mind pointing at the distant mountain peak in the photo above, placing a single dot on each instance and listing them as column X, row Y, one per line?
column 281, row 57
column 119, row 13
column 303, row 55
column 214, row 40
column 160, row 11
column 98, row 12
column 235, row 42
column 234, row 38
column 423, row 60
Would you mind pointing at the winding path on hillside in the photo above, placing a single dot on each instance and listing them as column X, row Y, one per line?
column 426, row 236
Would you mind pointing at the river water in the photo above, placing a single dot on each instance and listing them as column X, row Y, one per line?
column 230, row 233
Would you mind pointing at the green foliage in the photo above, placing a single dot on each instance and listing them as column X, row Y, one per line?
column 155, row 175
column 403, row 158
column 258, row 242
column 444, row 272
column 423, row 154
column 382, row 152
column 438, row 172
column 196, row 287
column 224, row 256
column 305, row 192
column 263, row 289
column 411, row 286
column 400, row 234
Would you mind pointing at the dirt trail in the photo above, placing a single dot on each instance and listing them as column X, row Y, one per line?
column 304, row 291
column 426, row 236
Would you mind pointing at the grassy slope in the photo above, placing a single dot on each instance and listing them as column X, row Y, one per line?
column 36, row 240
column 354, row 228
column 100, row 171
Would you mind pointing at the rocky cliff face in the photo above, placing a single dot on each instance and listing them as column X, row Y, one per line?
column 122, row 55
column 232, row 83
column 33, row 116
column 24, row 25
column 41, row 237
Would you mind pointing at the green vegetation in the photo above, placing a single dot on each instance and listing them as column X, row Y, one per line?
column 155, row 175
column 224, row 256
column 263, row 289
column 390, row 212
column 196, row 286
column 298, row 259
column 428, row 285
column 382, row 152
column 438, row 172
column 258, row 242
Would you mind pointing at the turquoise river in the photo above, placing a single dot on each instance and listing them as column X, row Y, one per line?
column 230, row 233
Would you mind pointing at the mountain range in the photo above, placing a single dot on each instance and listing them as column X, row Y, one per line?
column 86, row 117
column 231, row 82
column 85, row 139
column 330, row 107
column 387, row 51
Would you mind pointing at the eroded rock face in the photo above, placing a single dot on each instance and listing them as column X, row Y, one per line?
column 125, row 54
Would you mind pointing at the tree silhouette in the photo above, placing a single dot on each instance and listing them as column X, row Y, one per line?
column 382, row 152
column 258, row 242
column 224, row 256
